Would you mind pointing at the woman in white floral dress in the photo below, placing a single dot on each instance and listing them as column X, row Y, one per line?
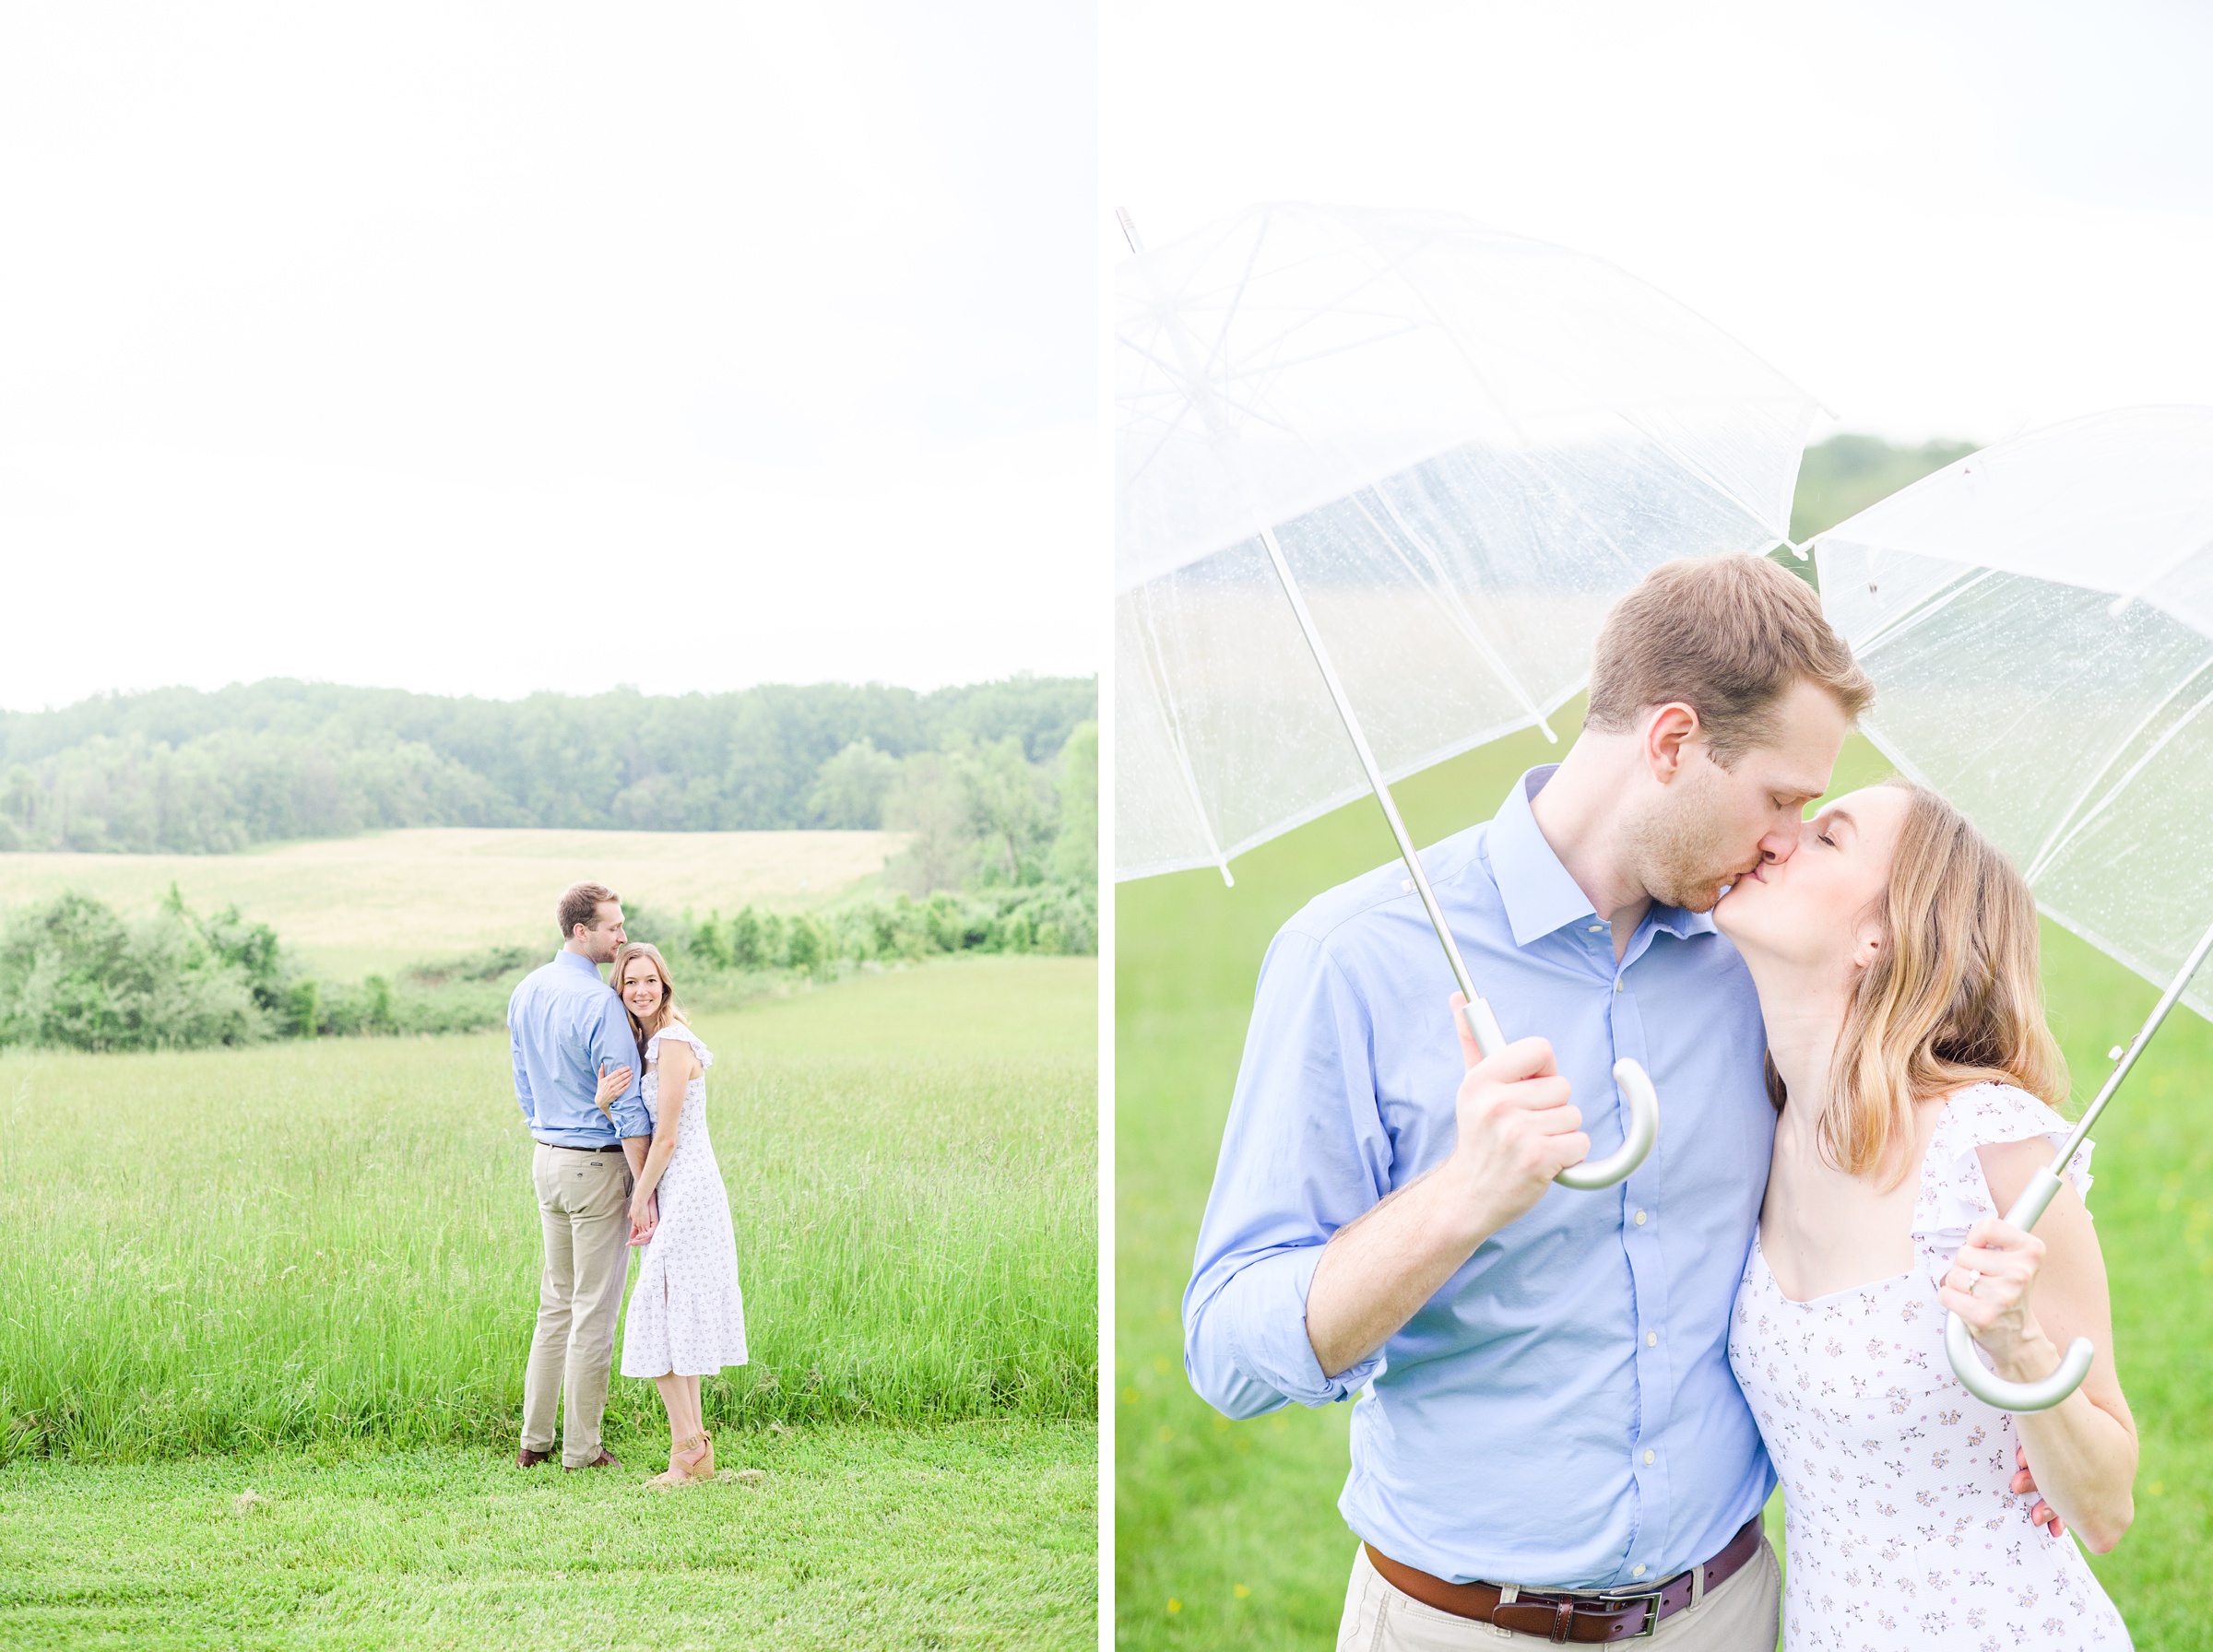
column 686, row 1319
column 1896, row 957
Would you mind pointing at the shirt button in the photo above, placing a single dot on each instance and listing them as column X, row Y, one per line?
column 1649, row 1458
column 1617, row 983
column 1652, row 1339
column 1636, row 1571
column 1640, row 1218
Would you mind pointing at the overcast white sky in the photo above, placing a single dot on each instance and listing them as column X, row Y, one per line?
column 1941, row 218
column 492, row 348
column 485, row 348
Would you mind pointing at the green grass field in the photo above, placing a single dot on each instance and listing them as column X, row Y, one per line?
column 312, row 1268
column 1227, row 1534
column 981, row 1535
column 389, row 899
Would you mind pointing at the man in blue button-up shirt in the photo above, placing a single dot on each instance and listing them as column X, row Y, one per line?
column 566, row 1027
column 1546, row 1397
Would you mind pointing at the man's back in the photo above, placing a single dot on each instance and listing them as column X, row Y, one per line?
column 566, row 1026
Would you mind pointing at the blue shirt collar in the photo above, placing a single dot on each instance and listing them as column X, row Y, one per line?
column 578, row 961
column 1535, row 888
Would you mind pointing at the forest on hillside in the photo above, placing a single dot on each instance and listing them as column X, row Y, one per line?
column 182, row 770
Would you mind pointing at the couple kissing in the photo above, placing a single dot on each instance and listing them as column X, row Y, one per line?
column 1573, row 1406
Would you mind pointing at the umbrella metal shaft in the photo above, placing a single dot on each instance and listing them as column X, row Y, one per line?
column 2151, row 1024
column 1481, row 1022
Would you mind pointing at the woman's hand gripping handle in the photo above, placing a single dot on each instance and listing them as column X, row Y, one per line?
column 1987, row 1294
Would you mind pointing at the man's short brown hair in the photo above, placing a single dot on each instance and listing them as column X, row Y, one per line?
column 1727, row 636
column 581, row 905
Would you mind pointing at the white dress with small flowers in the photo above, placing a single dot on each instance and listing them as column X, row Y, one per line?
column 1900, row 1531
column 686, row 1316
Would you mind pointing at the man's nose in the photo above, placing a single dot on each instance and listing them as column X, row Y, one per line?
column 1779, row 845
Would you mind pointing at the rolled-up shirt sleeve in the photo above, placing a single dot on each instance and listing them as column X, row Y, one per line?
column 614, row 1045
column 1305, row 1153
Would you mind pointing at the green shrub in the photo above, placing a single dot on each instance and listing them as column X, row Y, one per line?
column 72, row 973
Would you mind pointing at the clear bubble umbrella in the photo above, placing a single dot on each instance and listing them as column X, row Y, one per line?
column 2038, row 619
column 1380, row 474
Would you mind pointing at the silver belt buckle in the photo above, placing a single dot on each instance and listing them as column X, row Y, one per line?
column 1649, row 1599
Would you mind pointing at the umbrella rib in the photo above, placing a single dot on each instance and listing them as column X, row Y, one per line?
column 1933, row 603
column 1184, row 383
column 1368, row 277
column 1218, row 352
column 2197, row 546
column 1566, row 496
column 1276, row 365
column 1449, row 598
column 2046, row 849
column 1699, row 471
column 2090, row 816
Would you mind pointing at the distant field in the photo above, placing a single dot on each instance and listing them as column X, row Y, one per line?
column 1228, row 1535
column 349, row 905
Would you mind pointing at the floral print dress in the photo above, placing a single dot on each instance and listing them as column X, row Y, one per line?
column 686, row 1316
column 1901, row 1532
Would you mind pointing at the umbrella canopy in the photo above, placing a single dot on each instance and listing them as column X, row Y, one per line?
column 1465, row 445
column 2038, row 619
column 2038, row 622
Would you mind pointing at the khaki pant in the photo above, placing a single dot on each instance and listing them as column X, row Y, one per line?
column 1742, row 1616
column 584, row 1207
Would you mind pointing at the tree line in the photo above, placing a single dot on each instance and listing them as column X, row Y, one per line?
column 184, row 771
column 1003, row 856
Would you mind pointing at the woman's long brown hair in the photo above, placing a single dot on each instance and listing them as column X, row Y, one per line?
column 1953, row 997
column 671, row 1011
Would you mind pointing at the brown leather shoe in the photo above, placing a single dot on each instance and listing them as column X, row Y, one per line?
column 528, row 1459
column 606, row 1459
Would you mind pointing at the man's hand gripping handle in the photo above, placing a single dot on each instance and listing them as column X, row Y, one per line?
column 1481, row 1039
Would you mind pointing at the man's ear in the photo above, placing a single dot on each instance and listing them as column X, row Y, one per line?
column 1668, row 730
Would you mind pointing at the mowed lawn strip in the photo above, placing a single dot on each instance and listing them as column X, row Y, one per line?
column 977, row 1535
column 1227, row 1534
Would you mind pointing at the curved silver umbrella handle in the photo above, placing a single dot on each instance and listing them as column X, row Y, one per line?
column 1959, row 1344
column 1644, row 1130
column 1993, row 1389
column 1644, row 1106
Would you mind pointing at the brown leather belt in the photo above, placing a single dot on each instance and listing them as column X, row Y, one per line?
column 1560, row 1617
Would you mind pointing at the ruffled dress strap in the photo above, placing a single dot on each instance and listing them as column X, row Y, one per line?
column 676, row 1030
column 1954, row 1196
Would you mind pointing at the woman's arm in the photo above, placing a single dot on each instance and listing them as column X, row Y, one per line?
column 2083, row 1451
column 675, row 1070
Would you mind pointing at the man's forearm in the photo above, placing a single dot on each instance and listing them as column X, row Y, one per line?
column 634, row 1152
column 1376, row 1272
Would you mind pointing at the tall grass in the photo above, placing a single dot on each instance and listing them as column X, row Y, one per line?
column 231, row 1248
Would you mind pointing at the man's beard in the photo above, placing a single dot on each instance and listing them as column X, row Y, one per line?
column 1682, row 859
